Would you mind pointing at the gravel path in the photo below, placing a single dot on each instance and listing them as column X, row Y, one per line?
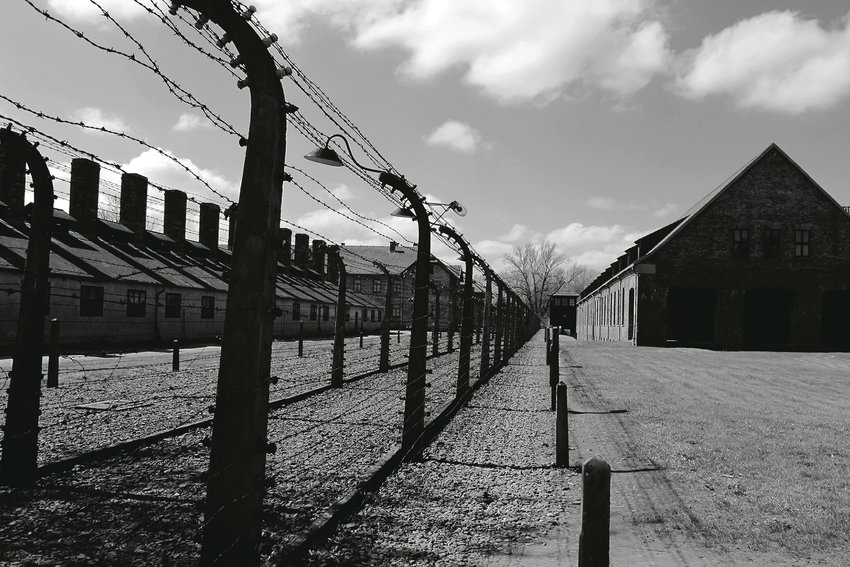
column 144, row 507
column 484, row 493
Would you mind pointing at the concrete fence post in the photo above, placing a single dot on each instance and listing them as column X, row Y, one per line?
column 554, row 366
column 300, row 338
column 562, row 432
column 361, row 336
column 548, row 346
column 175, row 355
column 593, row 542
column 53, row 360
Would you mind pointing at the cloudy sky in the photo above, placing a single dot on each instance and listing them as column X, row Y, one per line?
column 585, row 122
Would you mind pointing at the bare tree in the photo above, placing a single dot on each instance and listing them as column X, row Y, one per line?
column 537, row 270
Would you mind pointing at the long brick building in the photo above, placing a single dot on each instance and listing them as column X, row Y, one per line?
column 762, row 263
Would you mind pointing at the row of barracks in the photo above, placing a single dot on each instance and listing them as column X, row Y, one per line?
column 120, row 284
column 763, row 263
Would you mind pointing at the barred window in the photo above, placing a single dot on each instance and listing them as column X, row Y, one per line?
column 741, row 242
column 136, row 302
column 356, row 285
column 296, row 310
column 173, row 304
column 313, row 312
column 396, row 313
column 377, row 286
column 91, row 301
column 397, row 285
column 772, row 242
column 207, row 307
column 326, row 313
column 802, row 243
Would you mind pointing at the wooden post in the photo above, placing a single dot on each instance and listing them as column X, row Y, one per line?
column 593, row 543
column 384, row 357
column 562, row 434
column 236, row 477
column 467, row 321
column 488, row 309
column 435, row 332
column 548, row 340
column 53, row 360
column 554, row 366
column 338, row 364
column 175, row 355
column 300, row 338
column 20, row 438
column 361, row 336
column 398, row 334
column 500, row 320
column 452, row 317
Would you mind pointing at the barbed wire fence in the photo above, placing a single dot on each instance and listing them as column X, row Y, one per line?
column 104, row 400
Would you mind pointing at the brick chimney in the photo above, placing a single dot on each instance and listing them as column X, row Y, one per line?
column 85, row 180
column 333, row 269
column 302, row 251
column 134, row 202
column 13, row 171
column 393, row 245
column 319, row 256
column 208, row 226
column 174, row 224
column 284, row 252
column 230, row 215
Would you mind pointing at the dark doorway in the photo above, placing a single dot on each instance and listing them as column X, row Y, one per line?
column 835, row 317
column 691, row 314
column 767, row 317
column 631, row 313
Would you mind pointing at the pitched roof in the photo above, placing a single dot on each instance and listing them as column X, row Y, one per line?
column 358, row 259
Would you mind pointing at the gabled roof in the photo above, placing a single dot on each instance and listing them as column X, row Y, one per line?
column 709, row 199
column 358, row 259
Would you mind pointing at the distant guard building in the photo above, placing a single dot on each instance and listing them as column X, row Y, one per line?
column 763, row 263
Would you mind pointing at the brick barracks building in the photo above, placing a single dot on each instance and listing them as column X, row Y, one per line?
column 762, row 264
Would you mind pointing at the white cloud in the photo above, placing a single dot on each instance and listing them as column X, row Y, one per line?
column 457, row 136
column 665, row 210
column 162, row 170
column 593, row 246
column 189, row 121
column 777, row 61
column 527, row 51
column 336, row 228
column 97, row 118
column 86, row 11
column 519, row 232
column 344, row 193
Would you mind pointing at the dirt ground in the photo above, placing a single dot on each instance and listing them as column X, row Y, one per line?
column 705, row 470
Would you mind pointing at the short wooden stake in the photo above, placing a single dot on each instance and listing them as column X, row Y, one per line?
column 300, row 338
column 398, row 335
column 361, row 337
column 53, row 360
column 593, row 544
column 562, row 434
column 175, row 355
column 554, row 367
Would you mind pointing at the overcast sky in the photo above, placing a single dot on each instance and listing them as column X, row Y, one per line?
column 588, row 122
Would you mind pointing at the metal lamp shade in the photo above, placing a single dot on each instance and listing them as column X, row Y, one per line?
column 325, row 156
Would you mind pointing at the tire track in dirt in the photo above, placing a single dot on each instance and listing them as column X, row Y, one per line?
column 641, row 494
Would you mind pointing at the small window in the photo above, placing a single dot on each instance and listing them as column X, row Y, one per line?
column 296, row 310
column 377, row 287
column 572, row 302
column 802, row 243
column 373, row 317
column 207, row 307
column 173, row 304
column 741, row 242
column 91, row 301
column 136, row 302
column 313, row 312
column 356, row 285
column 772, row 242
column 380, row 315
column 396, row 313
column 365, row 316
column 326, row 313
column 397, row 285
